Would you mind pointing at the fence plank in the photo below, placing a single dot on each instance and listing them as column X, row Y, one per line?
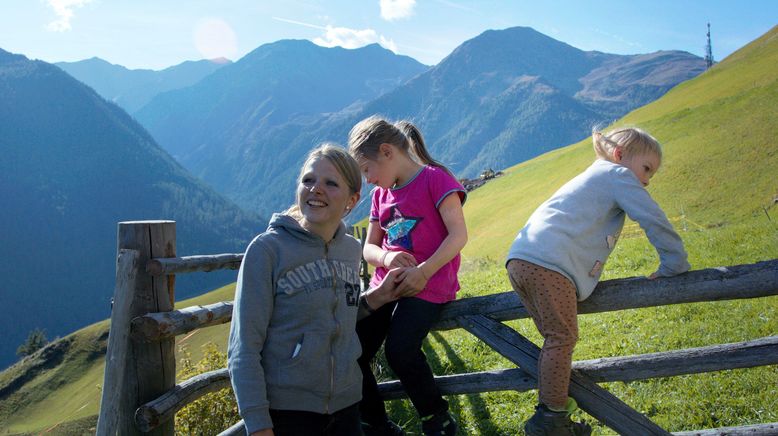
column 746, row 430
column 770, row 429
column 763, row 351
column 161, row 410
column 206, row 263
column 740, row 281
column 158, row 326
column 748, row 354
column 112, row 416
column 237, row 429
column 711, row 284
column 596, row 401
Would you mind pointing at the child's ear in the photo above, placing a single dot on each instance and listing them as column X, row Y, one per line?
column 385, row 150
column 618, row 153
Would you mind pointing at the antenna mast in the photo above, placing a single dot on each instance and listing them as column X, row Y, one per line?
column 708, row 51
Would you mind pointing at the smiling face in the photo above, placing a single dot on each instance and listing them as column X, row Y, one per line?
column 643, row 165
column 323, row 196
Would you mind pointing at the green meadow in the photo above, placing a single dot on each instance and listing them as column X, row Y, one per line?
column 717, row 184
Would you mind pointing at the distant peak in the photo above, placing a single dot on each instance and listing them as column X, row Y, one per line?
column 6, row 56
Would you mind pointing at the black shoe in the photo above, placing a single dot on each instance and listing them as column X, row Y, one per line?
column 546, row 422
column 441, row 424
column 387, row 428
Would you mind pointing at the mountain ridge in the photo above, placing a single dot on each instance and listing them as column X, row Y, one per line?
column 476, row 110
column 73, row 165
column 133, row 88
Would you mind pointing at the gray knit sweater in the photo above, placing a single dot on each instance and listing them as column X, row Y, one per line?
column 292, row 341
column 574, row 232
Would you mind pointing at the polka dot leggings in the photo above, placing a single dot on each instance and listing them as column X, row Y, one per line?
column 551, row 302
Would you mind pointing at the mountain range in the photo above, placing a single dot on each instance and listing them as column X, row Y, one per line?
column 72, row 166
column 285, row 80
column 133, row 89
column 500, row 98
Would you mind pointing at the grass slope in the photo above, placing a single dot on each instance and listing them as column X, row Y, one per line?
column 54, row 397
column 717, row 184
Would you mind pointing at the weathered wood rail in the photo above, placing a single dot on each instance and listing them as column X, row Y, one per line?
column 144, row 326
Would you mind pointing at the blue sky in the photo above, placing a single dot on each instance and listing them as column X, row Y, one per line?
column 160, row 33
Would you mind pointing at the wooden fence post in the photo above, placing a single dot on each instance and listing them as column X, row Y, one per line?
column 150, row 367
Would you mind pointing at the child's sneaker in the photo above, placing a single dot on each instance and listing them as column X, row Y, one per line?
column 440, row 424
column 387, row 428
column 546, row 422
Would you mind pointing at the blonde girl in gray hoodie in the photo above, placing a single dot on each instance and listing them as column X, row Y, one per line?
column 293, row 348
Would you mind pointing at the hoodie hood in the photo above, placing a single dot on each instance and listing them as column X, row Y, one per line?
column 281, row 221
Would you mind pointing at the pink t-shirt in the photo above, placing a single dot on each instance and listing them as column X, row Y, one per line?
column 411, row 222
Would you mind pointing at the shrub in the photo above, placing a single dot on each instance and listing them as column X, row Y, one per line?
column 214, row 412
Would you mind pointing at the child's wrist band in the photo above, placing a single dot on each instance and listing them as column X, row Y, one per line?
column 383, row 258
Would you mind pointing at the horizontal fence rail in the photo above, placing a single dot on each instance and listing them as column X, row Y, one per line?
column 711, row 284
column 186, row 264
column 737, row 355
column 161, row 325
column 151, row 415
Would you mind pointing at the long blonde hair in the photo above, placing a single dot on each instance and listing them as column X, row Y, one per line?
column 343, row 163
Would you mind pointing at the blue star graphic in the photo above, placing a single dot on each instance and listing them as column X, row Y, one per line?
column 399, row 229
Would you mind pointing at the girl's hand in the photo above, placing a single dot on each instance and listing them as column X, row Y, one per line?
column 412, row 281
column 385, row 292
column 398, row 259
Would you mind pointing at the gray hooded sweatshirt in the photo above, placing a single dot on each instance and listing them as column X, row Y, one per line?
column 574, row 231
column 292, row 341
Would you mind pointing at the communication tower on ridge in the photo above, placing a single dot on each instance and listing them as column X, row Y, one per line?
column 708, row 51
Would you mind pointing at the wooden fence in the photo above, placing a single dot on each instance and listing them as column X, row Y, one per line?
column 140, row 395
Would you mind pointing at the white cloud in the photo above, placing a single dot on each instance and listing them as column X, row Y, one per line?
column 64, row 11
column 396, row 9
column 343, row 36
column 352, row 38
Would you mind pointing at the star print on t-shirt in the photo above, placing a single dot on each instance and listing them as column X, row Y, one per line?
column 399, row 228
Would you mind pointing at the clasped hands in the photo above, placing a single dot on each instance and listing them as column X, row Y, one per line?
column 405, row 279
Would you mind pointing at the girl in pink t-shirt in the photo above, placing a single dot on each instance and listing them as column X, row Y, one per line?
column 417, row 226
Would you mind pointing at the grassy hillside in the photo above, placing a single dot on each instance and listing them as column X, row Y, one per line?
column 718, row 186
column 721, row 154
column 64, row 387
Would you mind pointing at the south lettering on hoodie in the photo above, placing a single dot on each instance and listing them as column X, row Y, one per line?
column 317, row 275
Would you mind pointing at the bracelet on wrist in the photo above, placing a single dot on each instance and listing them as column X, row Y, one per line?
column 383, row 258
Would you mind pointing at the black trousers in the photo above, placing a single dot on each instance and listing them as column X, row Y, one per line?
column 344, row 422
column 403, row 325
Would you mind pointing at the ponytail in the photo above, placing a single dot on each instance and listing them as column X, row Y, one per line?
column 603, row 147
column 416, row 144
column 632, row 141
column 366, row 137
